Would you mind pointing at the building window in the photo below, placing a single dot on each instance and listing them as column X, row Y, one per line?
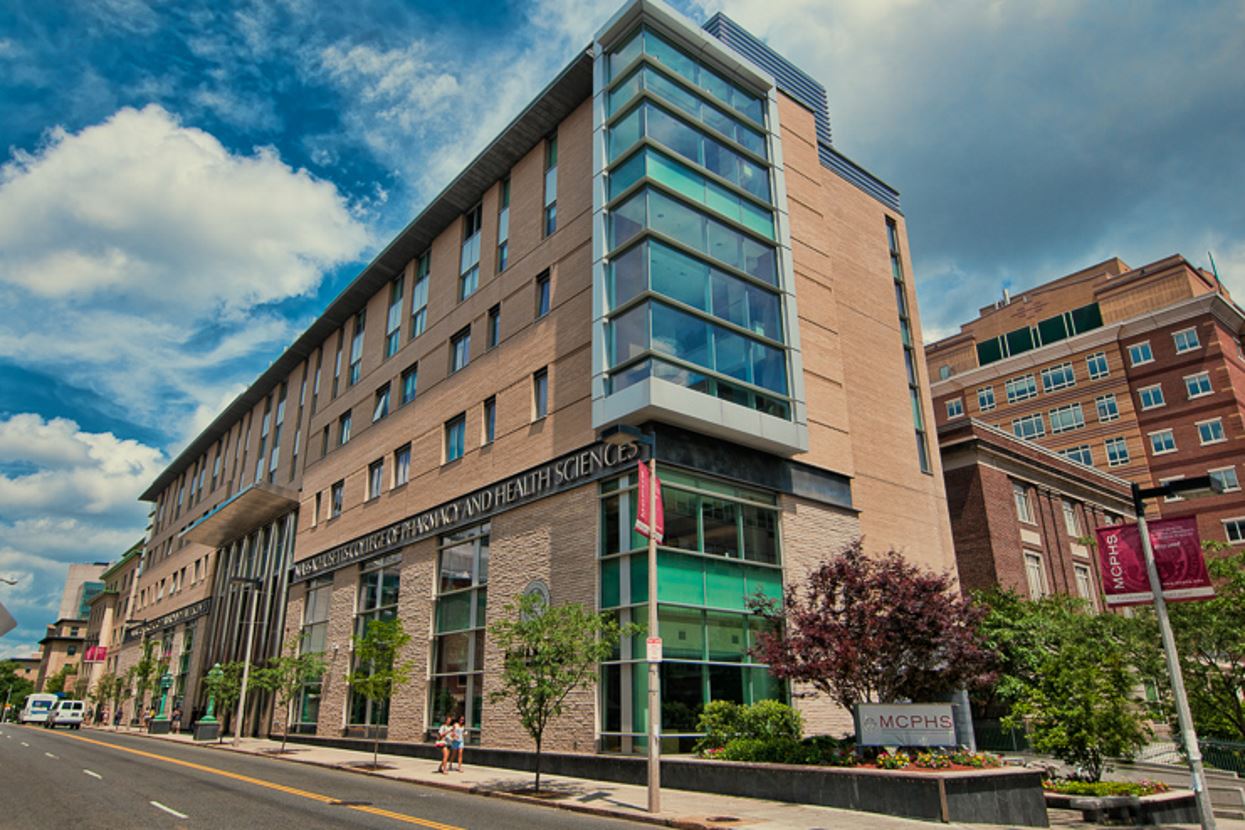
column 315, row 517
column 460, row 350
column 540, row 394
column 1226, row 476
column 1151, row 397
column 378, row 600
column 313, row 639
column 1210, row 432
column 1140, row 354
column 455, row 438
column 1198, row 386
column 419, row 296
column 944, row 372
column 356, row 349
column 1235, row 530
column 1108, row 409
column 1085, row 584
column 469, row 264
column 410, row 383
column 1035, row 575
column 375, row 479
column 542, row 294
column 381, row 407
column 721, row 547
column 490, row 419
column 393, row 322
column 494, row 325
column 1169, row 480
column 1024, row 507
column 1029, row 427
column 1021, row 388
column 1066, row 418
column 1081, row 455
column 955, row 408
column 1117, row 452
column 909, row 350
column 985, row 398
column 1186, row 340
column 457, row 683
column 1096, row 364
column 551, row 185
column 1162, row 442
column 343, row 428
column 401, row 465
column 503, row 226
column 336, row 495
column 1071, row 522
column 1058, row 377
column 337, row 361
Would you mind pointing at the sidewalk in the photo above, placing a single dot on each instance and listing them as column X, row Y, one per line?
column 680, row 808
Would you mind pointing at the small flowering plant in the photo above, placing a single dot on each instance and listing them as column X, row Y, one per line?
column 962, row 757
column 932, row 760
column 893, row 760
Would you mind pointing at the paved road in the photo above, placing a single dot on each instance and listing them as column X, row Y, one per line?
column 91, row 779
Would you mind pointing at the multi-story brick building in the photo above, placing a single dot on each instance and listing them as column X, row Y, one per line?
column 1136, row 371
column 1021, row 514
column 61, row 650
column 663, row 238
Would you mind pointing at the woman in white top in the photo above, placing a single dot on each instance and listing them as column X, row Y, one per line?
column 443, row 741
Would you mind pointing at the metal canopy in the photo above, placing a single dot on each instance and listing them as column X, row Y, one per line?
column 569, row 89
column 251, row 508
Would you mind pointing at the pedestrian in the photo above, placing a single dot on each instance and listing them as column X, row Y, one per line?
column 443, row 741
column 459, row 737
column 177, row 720
column 116, row 719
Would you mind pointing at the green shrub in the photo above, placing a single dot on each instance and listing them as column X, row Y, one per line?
column 766, row 751
column 1105, row 788
column 831, row 752
column 770, row 719
column 723, row 721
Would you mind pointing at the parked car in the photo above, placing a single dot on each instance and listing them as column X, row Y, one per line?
column 66, row 713
column 37, row 708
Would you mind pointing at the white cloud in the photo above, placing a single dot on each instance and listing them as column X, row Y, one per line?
column 66, row 495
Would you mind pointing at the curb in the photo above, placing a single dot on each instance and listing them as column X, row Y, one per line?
column 466, row 789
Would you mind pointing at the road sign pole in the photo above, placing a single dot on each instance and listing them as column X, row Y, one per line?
column 654, row 666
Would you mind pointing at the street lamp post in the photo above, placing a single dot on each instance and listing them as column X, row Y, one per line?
column 1186, row 488
column 246, row 661
column 624, row 434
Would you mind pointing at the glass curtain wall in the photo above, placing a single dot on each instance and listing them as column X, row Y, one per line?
column 457, row 682
column 721, row 547
column 379, row 582
column 693, row 276
column 313, row 639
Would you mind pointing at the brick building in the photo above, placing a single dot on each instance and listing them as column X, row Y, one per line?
column 665, row 238
column 1021, row 514
column 1135, row 371
column 61, row 649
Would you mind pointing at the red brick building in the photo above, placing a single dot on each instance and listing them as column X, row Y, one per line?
column 1135, row 371
column 1021, row 514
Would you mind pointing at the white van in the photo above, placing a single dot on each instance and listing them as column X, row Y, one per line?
column 37, row 708
column 66, row 713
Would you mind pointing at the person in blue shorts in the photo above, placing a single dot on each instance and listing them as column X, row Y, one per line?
column 457, row 738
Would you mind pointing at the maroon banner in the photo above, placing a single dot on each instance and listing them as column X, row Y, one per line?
column 95, row 654
column 1177, row 555
column 641, row 514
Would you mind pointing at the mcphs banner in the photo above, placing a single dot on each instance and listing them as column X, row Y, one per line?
column 1177, row 554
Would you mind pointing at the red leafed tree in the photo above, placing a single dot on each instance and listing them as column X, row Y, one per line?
column 874, row 630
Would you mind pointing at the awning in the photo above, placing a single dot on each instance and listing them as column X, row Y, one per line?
column 247, row 510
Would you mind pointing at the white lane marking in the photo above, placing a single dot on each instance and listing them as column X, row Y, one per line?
column 93, row 774
column 25, row 744
column 168, row 810
column 50, row 755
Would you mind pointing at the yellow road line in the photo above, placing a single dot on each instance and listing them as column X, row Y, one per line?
column 271, row 785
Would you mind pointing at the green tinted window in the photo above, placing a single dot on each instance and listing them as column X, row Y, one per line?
column 1020, row 340
column 1086, row 318
column 1052, row 330
column 682, row 578
column 989, row 351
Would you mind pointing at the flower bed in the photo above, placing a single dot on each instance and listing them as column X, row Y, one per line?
column 1105, row 788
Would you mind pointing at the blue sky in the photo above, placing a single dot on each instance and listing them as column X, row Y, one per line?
column 183, row 186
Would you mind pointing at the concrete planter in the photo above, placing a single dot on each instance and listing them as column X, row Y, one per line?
column 1179, row 807
column 159, row 727
column 207, row 731
column 989, row 796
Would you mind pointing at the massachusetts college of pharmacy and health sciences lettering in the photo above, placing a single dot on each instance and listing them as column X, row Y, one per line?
column 572, row 469
column 181, row 615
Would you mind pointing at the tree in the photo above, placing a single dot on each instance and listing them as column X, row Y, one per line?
column 55, row 684
column 227, row 687
column 81, row 683
column 377, row 673
column 1068, row 676
column 147, row 672
column 125, row 689
column 864, row 629
column 1210, row 638
column 13, row 689
column 549, row 652
column 286, row 675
